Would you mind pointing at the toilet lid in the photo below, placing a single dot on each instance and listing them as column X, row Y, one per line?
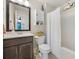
column 44, row 47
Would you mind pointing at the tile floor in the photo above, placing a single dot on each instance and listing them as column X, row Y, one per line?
column 51, row 56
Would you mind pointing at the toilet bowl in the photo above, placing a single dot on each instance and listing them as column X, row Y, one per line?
column 44, row 48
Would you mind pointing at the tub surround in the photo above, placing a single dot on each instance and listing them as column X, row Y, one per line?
column 67, row 53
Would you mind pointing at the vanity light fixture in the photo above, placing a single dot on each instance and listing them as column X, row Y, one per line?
column 69, row 5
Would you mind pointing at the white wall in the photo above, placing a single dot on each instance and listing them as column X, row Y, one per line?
column 68, row 29
column 50, row 8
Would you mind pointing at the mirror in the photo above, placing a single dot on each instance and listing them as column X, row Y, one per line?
column 18, row 17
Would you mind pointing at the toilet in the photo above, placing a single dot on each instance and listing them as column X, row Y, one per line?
column 44, row 48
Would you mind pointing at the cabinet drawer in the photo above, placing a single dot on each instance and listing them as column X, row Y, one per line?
column 17, row 41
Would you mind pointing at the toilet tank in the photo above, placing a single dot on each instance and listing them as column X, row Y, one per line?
column 40, row 40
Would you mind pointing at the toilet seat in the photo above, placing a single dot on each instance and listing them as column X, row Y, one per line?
column 44, row 48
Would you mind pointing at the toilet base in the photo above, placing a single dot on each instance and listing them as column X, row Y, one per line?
column 44, row 55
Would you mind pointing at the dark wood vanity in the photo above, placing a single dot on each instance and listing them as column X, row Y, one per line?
column 18, row 48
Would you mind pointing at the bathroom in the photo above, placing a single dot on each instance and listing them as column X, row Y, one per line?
column 46, row 32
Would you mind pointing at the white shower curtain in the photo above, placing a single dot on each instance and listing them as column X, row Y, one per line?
column 55, row 32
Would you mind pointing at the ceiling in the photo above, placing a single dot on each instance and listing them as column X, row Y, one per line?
column 51, row 4
column 54, row 3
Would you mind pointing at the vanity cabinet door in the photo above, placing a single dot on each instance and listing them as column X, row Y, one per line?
column 25, row 51
column 10, row 52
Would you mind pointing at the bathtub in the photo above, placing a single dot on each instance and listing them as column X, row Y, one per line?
column 67, row 53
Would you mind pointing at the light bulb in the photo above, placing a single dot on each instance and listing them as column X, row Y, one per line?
column 13, row 0
column 26, row 3
column 20, row 0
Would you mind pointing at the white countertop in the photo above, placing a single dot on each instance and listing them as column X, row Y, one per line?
column 14, row 35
